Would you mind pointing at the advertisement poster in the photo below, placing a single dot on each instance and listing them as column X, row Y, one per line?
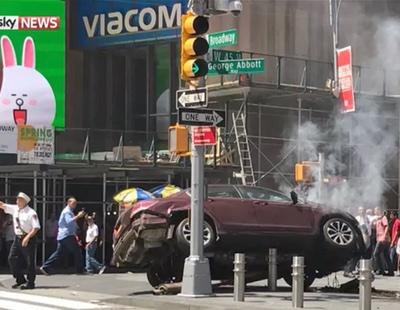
column 345, row 77
column 35, row 145
column 8, row 139
column 32, row 66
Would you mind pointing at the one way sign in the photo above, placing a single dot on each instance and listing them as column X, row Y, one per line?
column 188, row 98
column 201, row 117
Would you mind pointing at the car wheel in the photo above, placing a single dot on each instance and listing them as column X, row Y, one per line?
column 308, row 280
column 182, row 234
column 339, row 233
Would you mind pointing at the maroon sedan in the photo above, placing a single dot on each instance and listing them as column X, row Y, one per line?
column 156, row 234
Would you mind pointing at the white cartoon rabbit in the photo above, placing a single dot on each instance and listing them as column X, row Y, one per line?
column 26, row 97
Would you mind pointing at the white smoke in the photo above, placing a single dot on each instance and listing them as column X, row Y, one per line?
column 356, row 146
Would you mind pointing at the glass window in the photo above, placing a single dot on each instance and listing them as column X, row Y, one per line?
column 259, row 193
column 223, row 191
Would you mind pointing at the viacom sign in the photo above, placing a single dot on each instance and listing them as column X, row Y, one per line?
column 109, row 22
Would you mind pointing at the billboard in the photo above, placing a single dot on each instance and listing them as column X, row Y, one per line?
column 32, row 67
column 345, row 77
column 108, row 22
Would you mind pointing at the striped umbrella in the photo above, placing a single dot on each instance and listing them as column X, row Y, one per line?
column 164, row 191
column 132, row 195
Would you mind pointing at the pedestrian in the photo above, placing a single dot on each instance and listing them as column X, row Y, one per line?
column 66, row 238
column 381, row 253
column 8, row 234
column 92, row 235
column 398, row 255
column 26, row 225
column 51, row 233
column 365, row 228
column 394, row 233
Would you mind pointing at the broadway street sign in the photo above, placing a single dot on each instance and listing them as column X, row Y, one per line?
column 201, row 117
column 192, row 98
column 223, row 38
column 256, row 65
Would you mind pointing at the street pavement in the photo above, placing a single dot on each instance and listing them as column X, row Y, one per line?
column 131, row 291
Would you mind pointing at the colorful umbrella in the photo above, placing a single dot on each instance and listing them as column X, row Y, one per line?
column 132, row 195
column 164, row 191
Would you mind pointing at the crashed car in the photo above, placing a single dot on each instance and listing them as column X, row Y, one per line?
column 155, row 234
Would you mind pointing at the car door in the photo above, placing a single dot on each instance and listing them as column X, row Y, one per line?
column 232, row 213
column 276, row 213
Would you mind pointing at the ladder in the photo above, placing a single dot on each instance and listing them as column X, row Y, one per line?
column 246, row 164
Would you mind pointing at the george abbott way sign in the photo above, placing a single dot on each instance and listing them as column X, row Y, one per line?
column 256, row 65
column 108, row 22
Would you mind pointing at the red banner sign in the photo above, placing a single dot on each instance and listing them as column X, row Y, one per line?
column 204, row 136
column 345, row 77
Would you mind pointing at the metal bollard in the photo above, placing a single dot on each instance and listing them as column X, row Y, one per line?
column 365, row 280
column 239, row 278
column 298, row 282
column 272, row 270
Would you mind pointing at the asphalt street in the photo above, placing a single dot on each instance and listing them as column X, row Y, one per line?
column 131, row 291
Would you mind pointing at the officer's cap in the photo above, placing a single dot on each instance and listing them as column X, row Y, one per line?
column 24, row 196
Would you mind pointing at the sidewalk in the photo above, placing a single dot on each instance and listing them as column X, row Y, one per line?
column 133, row 290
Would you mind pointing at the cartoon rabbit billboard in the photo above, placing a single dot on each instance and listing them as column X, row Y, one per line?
column 26, row 97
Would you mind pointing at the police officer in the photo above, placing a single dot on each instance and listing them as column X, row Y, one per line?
column 26, row 225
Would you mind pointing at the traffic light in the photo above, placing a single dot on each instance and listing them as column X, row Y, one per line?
column 193, row 46
column 178, row 139
column 304, row 173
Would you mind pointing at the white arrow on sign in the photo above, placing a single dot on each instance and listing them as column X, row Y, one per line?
column 185, row 99
column 210, row 118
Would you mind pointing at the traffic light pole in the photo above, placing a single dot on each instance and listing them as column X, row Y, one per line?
column 196, row 273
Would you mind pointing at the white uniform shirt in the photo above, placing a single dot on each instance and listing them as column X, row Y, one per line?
column 92, row 233
column 25, row 219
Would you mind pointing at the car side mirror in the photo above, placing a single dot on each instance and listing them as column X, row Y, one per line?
column 294, row 197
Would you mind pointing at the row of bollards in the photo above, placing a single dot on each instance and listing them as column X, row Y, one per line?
column 298, row 266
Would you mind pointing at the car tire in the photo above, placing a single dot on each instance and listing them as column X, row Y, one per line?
column 308, row 280
column 339, row 233
column 182, row 234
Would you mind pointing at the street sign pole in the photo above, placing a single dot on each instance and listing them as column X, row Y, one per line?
column 196, row 280
column 196, row 274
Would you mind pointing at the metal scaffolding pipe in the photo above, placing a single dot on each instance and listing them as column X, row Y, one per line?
column 44, row 188
column 35, row 189
column 104, row 217
column 6, row 188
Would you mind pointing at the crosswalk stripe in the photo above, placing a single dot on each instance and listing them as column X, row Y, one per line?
column 14, row 305
column 50, row 301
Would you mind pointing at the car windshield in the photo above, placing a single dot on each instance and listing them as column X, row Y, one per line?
column 260, row 193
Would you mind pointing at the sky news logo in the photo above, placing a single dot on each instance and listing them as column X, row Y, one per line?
column 29, row 22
